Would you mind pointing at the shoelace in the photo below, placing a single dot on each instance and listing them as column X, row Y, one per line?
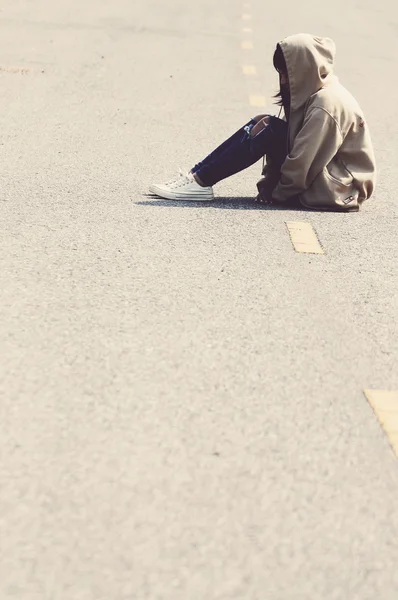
column 181, row 180
column 176, row 179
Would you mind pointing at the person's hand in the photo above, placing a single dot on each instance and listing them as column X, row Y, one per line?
column 258, row 118
column 260, row 125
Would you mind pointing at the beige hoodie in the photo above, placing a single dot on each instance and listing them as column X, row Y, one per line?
column 330, row 164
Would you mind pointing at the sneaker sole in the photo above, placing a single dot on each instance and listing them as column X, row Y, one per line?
column 205, row 197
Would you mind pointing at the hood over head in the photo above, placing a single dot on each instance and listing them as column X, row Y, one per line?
column 309, row 60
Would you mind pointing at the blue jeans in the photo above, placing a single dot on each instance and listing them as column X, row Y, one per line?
column 242, row 150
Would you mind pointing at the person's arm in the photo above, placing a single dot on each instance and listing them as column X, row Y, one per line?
column 315, row 145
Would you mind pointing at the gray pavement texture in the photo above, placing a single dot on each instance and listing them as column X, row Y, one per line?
column 181, row 394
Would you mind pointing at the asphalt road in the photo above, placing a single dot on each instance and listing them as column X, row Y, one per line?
column 182, row 406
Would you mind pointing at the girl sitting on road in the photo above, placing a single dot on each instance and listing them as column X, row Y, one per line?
column 321, row 153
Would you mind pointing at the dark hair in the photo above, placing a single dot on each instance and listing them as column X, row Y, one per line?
column 279, row 60
column 280, row 66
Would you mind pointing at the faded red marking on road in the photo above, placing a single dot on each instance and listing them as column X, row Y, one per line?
column 19, row 70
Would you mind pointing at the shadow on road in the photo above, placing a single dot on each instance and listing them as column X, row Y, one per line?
column 230, row 203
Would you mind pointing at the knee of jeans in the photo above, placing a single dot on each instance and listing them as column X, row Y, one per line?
column 278, row 125
column 248, row 130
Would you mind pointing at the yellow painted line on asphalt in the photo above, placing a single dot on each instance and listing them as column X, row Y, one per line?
column 247, row 30
column 249, row 70
column 393, row 439
column 246, row 45
column 246, row 17
column 303, row 237
column 258, row 101
column 385, row 406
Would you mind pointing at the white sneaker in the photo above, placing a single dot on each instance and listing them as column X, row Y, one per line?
column 183, row 187
column 154, row 186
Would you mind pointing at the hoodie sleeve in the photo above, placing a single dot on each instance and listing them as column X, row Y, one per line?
column 315, row 145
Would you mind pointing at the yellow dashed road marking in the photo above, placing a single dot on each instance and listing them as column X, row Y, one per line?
column 304, row 237
column 249, row 70
column 247, row 30
column 246, row 17
column 257, row 101
column 247, row 45
column 385, row 406
column 393, row 439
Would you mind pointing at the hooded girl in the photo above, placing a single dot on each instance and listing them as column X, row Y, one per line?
column 320, row 154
